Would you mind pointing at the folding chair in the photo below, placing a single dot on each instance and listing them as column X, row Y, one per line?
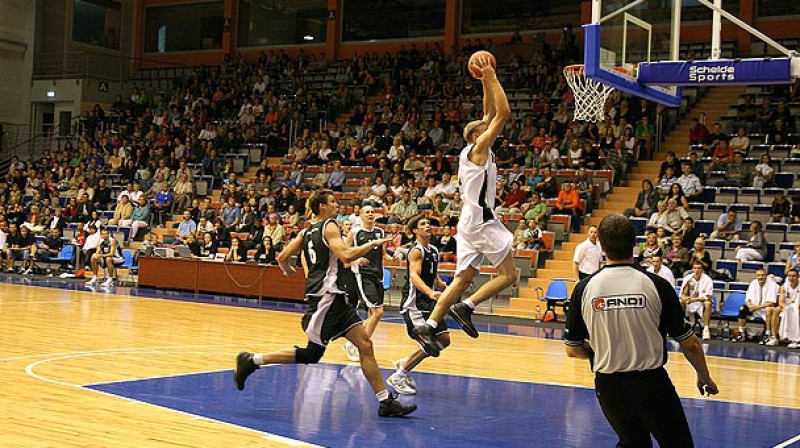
column 64, row 257
column 128, row 265
column 387, row 285
column 555, row 296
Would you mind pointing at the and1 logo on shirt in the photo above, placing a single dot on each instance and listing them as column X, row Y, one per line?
column 619, row 302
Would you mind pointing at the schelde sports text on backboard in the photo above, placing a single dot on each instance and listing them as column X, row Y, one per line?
column 716, row 72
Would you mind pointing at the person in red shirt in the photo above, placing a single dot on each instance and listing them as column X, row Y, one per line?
column 540, row 139
column 513, row 200
column 697, row 132
column 722, row 156
column 569, row 203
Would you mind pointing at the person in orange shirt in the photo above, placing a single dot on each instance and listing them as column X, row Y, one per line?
column 540, row 139
column 569, row 203
column 271, row 117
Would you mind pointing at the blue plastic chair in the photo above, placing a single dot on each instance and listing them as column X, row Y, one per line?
column 555, row 296
column 127, row 256
column 730, row 308
column 127, row 263
column 387, row 284
column 387, row 280
column 64, row 256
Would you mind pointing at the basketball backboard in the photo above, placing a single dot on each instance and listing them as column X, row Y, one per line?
column 625, row 33
column 635, row 46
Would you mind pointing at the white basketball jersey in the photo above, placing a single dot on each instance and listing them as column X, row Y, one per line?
column 792, row 294
column 478, row 189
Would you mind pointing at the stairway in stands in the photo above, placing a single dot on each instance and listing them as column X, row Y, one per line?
column 714, row 104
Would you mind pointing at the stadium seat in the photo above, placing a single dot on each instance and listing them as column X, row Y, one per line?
column 776, row 269
column 730, row 308
column 731, row 266
column 776, row 231
column 704, row 226
column 64, row 257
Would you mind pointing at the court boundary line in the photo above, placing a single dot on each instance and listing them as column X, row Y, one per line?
column 264, row 434
column 267, row 435
column 788, row 442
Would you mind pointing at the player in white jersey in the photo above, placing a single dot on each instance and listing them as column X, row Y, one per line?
column 784, row 320
column 480, row 234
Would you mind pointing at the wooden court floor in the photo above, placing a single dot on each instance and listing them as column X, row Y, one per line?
column 55, row 341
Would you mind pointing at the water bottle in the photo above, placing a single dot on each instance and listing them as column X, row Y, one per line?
column 537, row 314
column 726, row 332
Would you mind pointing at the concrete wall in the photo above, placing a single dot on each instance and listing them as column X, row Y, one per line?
column 17, row 29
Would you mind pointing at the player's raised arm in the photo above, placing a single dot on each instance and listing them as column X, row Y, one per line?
column 489, row 106
column 483, row 142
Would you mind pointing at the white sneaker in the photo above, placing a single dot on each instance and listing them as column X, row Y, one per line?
column 352, row 351
column 92, row 282
column 108, row 283
column 27, row 271
column 409, row 378
column 773, row 341
column 794, row 344
column 400, row 384
column 706, row 334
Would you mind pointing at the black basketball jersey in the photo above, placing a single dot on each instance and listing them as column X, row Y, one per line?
column 363, row 236
column 414, row 298
column 323, row 265
column 104, row 248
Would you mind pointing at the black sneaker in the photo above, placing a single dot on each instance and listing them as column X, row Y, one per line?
column 741, row 337
column 424, row 335
column 463, row 315
column 393, row 408
column 244, row 367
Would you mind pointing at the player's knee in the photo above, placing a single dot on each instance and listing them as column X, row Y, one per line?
column 376, row 312
column 311, row 354
column 508, row 278
column 744, row 311
column 364, row 346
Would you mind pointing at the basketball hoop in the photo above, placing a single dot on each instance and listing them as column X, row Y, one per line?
column 590, row 95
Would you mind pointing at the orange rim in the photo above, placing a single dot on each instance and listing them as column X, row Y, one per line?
column 578, row 68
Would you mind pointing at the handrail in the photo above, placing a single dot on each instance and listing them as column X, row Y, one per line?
column 90, row 65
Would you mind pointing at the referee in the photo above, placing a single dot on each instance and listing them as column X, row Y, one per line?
column 618, row 319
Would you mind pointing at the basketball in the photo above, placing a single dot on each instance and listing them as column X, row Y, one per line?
column 472, row 64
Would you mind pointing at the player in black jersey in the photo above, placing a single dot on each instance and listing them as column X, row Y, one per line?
column 366, row 285
column 108, row 255
column 419, row 298
column 329, row 316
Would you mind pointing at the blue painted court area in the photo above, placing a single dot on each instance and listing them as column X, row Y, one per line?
column 332, row 405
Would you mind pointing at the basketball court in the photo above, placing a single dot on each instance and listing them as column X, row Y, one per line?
column 131, row 367
column 101, row 368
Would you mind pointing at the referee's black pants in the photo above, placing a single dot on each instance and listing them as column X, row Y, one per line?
column 638, row 404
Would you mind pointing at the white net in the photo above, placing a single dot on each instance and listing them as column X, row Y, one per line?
column 590, row 95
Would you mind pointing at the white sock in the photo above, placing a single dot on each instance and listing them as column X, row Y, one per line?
column 401, row 371
column 469, row 303
column 382, row 395
column 432, row 323
column 741, row 329
column 258, row 359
